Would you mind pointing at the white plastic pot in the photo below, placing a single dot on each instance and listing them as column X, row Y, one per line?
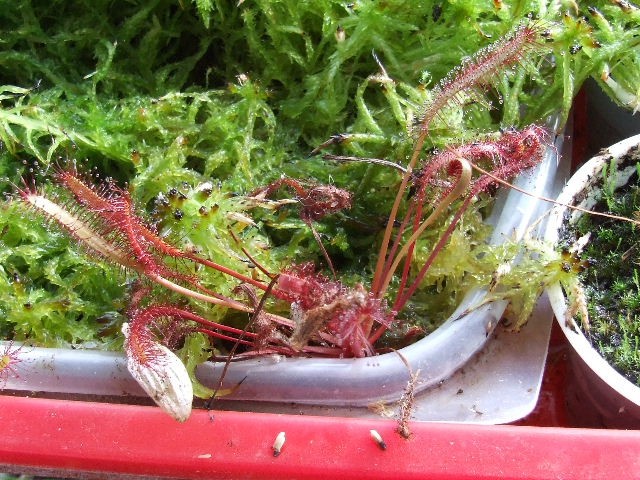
column 600, row 396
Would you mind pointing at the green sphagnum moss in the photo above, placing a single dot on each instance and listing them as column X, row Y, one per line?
column 166, row 94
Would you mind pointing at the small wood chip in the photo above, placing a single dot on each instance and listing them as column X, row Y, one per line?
column 277, row 445
column 378, row 439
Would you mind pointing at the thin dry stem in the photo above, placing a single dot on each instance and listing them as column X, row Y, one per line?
column 555, row 202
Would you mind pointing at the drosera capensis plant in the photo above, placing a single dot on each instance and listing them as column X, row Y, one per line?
column 155, row 119
column 326, row 317
column 154, row 110
column 515, row 152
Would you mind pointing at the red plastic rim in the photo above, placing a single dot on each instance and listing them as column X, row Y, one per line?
column 101, row 440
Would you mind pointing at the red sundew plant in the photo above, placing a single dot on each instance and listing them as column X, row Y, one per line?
column 9, row 358
column 327, row 317
column 104, row 220
column 475, row 74
column 317, row 201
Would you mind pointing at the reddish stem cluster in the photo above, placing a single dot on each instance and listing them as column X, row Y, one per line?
column 339, row 314
column 514, row 152
column 444, row 178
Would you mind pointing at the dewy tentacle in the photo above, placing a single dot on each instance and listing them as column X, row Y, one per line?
column 475, row 72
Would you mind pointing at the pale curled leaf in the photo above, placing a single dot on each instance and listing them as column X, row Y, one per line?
column 163, row 376
column 626, row 98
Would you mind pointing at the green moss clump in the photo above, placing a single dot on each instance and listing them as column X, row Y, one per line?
column 612, row 284
column 160, row 93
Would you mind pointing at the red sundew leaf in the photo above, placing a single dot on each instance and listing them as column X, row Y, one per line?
column 317, row 201
column 481, row 69
column 320, row 305
column 105, row 222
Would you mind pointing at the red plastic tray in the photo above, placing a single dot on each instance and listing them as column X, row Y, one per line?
column 99, row 440
column 90, row 440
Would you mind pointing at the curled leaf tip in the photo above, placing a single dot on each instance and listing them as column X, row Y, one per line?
column 160, row 373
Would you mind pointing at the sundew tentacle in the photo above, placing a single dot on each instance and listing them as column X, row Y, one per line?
column 476, row 72
column 480, row 70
